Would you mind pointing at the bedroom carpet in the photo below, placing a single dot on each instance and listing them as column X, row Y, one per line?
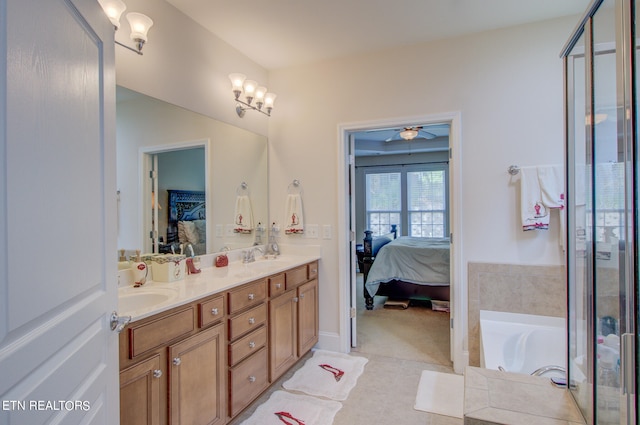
column 416, row 333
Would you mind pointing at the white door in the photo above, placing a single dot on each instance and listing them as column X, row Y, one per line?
column 58, row 283
column 351, row 173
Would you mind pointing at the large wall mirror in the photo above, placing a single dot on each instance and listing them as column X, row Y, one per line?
column 177, row 168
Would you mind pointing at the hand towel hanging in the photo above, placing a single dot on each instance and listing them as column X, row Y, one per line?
column 294, row 219
column 551, row 181
column 535, row 215
column 243, row 220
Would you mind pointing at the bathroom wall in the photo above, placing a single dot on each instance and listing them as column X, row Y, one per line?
column 513, row 288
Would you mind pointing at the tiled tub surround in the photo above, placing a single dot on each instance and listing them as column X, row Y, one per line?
column 493, row 397
column 538, row 290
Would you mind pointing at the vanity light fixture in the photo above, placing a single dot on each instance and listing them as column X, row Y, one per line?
column 138, row 22
column 252, row 92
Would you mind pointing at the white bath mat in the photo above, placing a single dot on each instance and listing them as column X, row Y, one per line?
column 283, row 407
column 327, row 374
column 441, row 393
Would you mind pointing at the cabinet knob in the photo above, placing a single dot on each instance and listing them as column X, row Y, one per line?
column 278, row 285
column 251, row 296
column 177, row 361
column 252, row 320
column 301, row 295
column 314, row 271
column 214, row 311
column 157, row 373
column 295, row 299
column 252, row 344
column 252, row 379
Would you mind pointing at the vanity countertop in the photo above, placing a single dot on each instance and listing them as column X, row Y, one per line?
column 156, row 297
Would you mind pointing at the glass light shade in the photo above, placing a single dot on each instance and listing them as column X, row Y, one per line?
column 113, row 9
column 269, row 98
column 409, row 134
column 250, row 87
column 237, row 80
column 140, row 25
column 260, row 92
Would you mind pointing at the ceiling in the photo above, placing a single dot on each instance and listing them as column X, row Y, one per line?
column 282, row 33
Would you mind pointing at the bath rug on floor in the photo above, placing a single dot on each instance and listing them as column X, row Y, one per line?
column 441, row 393
column 327, row 374
column 287, row 408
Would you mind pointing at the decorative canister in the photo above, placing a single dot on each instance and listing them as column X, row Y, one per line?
column 167, row 268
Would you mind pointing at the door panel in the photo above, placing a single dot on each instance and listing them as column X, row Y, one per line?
column 57, row 156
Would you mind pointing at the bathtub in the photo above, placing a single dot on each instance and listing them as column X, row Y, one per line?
column 522, row 343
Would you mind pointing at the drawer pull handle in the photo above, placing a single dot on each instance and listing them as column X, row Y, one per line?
column 252, row 344
column 177, row 361
column 157, row 373
column 252, row 379
column 278, row 285
column 251, row 296
column 252, row 320
column 214, row 311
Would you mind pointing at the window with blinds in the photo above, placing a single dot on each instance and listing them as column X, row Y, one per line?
column 414, row 198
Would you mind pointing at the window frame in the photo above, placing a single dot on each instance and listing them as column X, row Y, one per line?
column 404, row 226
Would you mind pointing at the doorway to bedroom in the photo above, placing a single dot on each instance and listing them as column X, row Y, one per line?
column 398, row 174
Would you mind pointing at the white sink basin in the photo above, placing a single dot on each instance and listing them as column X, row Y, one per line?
column 135, row 299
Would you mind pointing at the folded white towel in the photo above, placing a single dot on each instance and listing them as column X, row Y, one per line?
column 243, row 220
column 294, row 222
column 534, row 214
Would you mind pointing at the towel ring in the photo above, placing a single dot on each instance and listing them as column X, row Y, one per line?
column 294, row 188
column 243, row 189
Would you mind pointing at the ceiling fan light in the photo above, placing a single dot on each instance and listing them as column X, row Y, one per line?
column 409, row 133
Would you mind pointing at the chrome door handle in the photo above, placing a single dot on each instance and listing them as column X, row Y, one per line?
column 118, row 323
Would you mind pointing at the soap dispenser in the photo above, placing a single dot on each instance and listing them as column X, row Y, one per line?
column 140, row 270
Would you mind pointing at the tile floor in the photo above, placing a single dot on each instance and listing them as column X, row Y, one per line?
column 399, row 344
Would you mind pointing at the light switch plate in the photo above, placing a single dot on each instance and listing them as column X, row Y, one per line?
column 327, row 231
column 312, row 231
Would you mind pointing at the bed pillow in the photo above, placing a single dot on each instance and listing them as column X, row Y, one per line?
column 379, row 242
column 190, row 232
column 201, row 228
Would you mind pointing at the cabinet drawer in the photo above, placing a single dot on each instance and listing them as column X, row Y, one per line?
column 158, row 332
column 312, row 270
column 247, row 345
column 210, row 311
column 248, row 295
column 247, row 321
column 247, row 381
column 276, row 285
column 295, row 277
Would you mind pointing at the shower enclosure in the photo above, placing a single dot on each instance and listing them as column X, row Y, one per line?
column 601, row 81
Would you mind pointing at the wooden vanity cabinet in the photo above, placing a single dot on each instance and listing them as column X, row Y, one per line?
column 197, row 374
column 206, row 361
column 154, row 390
column 293, row 319
column 247, row 332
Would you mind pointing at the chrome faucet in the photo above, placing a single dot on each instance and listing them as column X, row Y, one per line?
column 249, row 255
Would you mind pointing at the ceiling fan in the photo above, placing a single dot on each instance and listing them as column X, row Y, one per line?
column 410, row 133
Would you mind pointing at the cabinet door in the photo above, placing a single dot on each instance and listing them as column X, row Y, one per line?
column 140, row 393
column 283, row 333
column 197, row 379
column 308, row 325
